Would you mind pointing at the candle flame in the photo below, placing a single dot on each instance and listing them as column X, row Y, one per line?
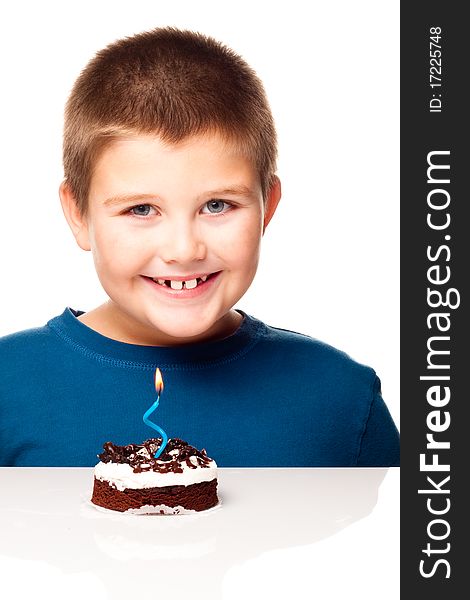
column 158, row 381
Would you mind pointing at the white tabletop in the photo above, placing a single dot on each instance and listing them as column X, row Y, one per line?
column 279, row 533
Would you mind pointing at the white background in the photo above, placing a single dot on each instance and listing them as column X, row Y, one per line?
column 329, row 264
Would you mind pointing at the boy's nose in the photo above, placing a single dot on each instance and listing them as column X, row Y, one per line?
column 182, row 243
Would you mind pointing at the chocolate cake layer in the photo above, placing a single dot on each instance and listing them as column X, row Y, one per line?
column 198, row 496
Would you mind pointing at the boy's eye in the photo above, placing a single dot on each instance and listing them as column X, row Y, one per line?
column 142, row 210
column 213, row 207
column 216, row 206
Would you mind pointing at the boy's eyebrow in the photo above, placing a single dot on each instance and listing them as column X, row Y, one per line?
column 236, row 190
column 125, row 198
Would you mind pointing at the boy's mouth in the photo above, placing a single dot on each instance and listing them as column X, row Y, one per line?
column 180, row 283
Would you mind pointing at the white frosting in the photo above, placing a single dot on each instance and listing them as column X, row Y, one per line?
column 159, row 509
column 123, row 477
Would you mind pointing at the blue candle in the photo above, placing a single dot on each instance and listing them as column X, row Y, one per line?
column 159, row 388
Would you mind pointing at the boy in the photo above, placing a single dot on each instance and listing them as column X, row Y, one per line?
column 170, row 160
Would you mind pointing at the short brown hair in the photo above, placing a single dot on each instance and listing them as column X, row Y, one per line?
column 173, row 83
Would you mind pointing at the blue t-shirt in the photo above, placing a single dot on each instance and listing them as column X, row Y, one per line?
column 262, row 397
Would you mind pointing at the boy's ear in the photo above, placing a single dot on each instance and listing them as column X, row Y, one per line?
column 272, row 201
column 77, row 223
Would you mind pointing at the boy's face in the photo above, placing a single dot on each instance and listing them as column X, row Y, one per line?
column 191, row 212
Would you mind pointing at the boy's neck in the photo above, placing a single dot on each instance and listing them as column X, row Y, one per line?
column 112, row 323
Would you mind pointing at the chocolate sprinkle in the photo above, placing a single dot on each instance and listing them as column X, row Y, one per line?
column 141, row 456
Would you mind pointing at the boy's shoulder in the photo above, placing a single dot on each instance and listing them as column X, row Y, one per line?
column 301, row 350
column 26, row 337
column 27, row 345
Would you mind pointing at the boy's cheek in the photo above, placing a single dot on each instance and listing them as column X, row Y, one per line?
column 115, row 240
column 245, row 243
column 247, row 232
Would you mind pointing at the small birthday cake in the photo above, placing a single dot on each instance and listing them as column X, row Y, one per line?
column 130, row 479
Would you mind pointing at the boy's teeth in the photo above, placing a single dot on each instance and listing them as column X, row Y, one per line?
column 178, row 285
column 189, row 285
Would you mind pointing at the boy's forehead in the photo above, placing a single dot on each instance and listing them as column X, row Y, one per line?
column 149, row 156
column 216, row 140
